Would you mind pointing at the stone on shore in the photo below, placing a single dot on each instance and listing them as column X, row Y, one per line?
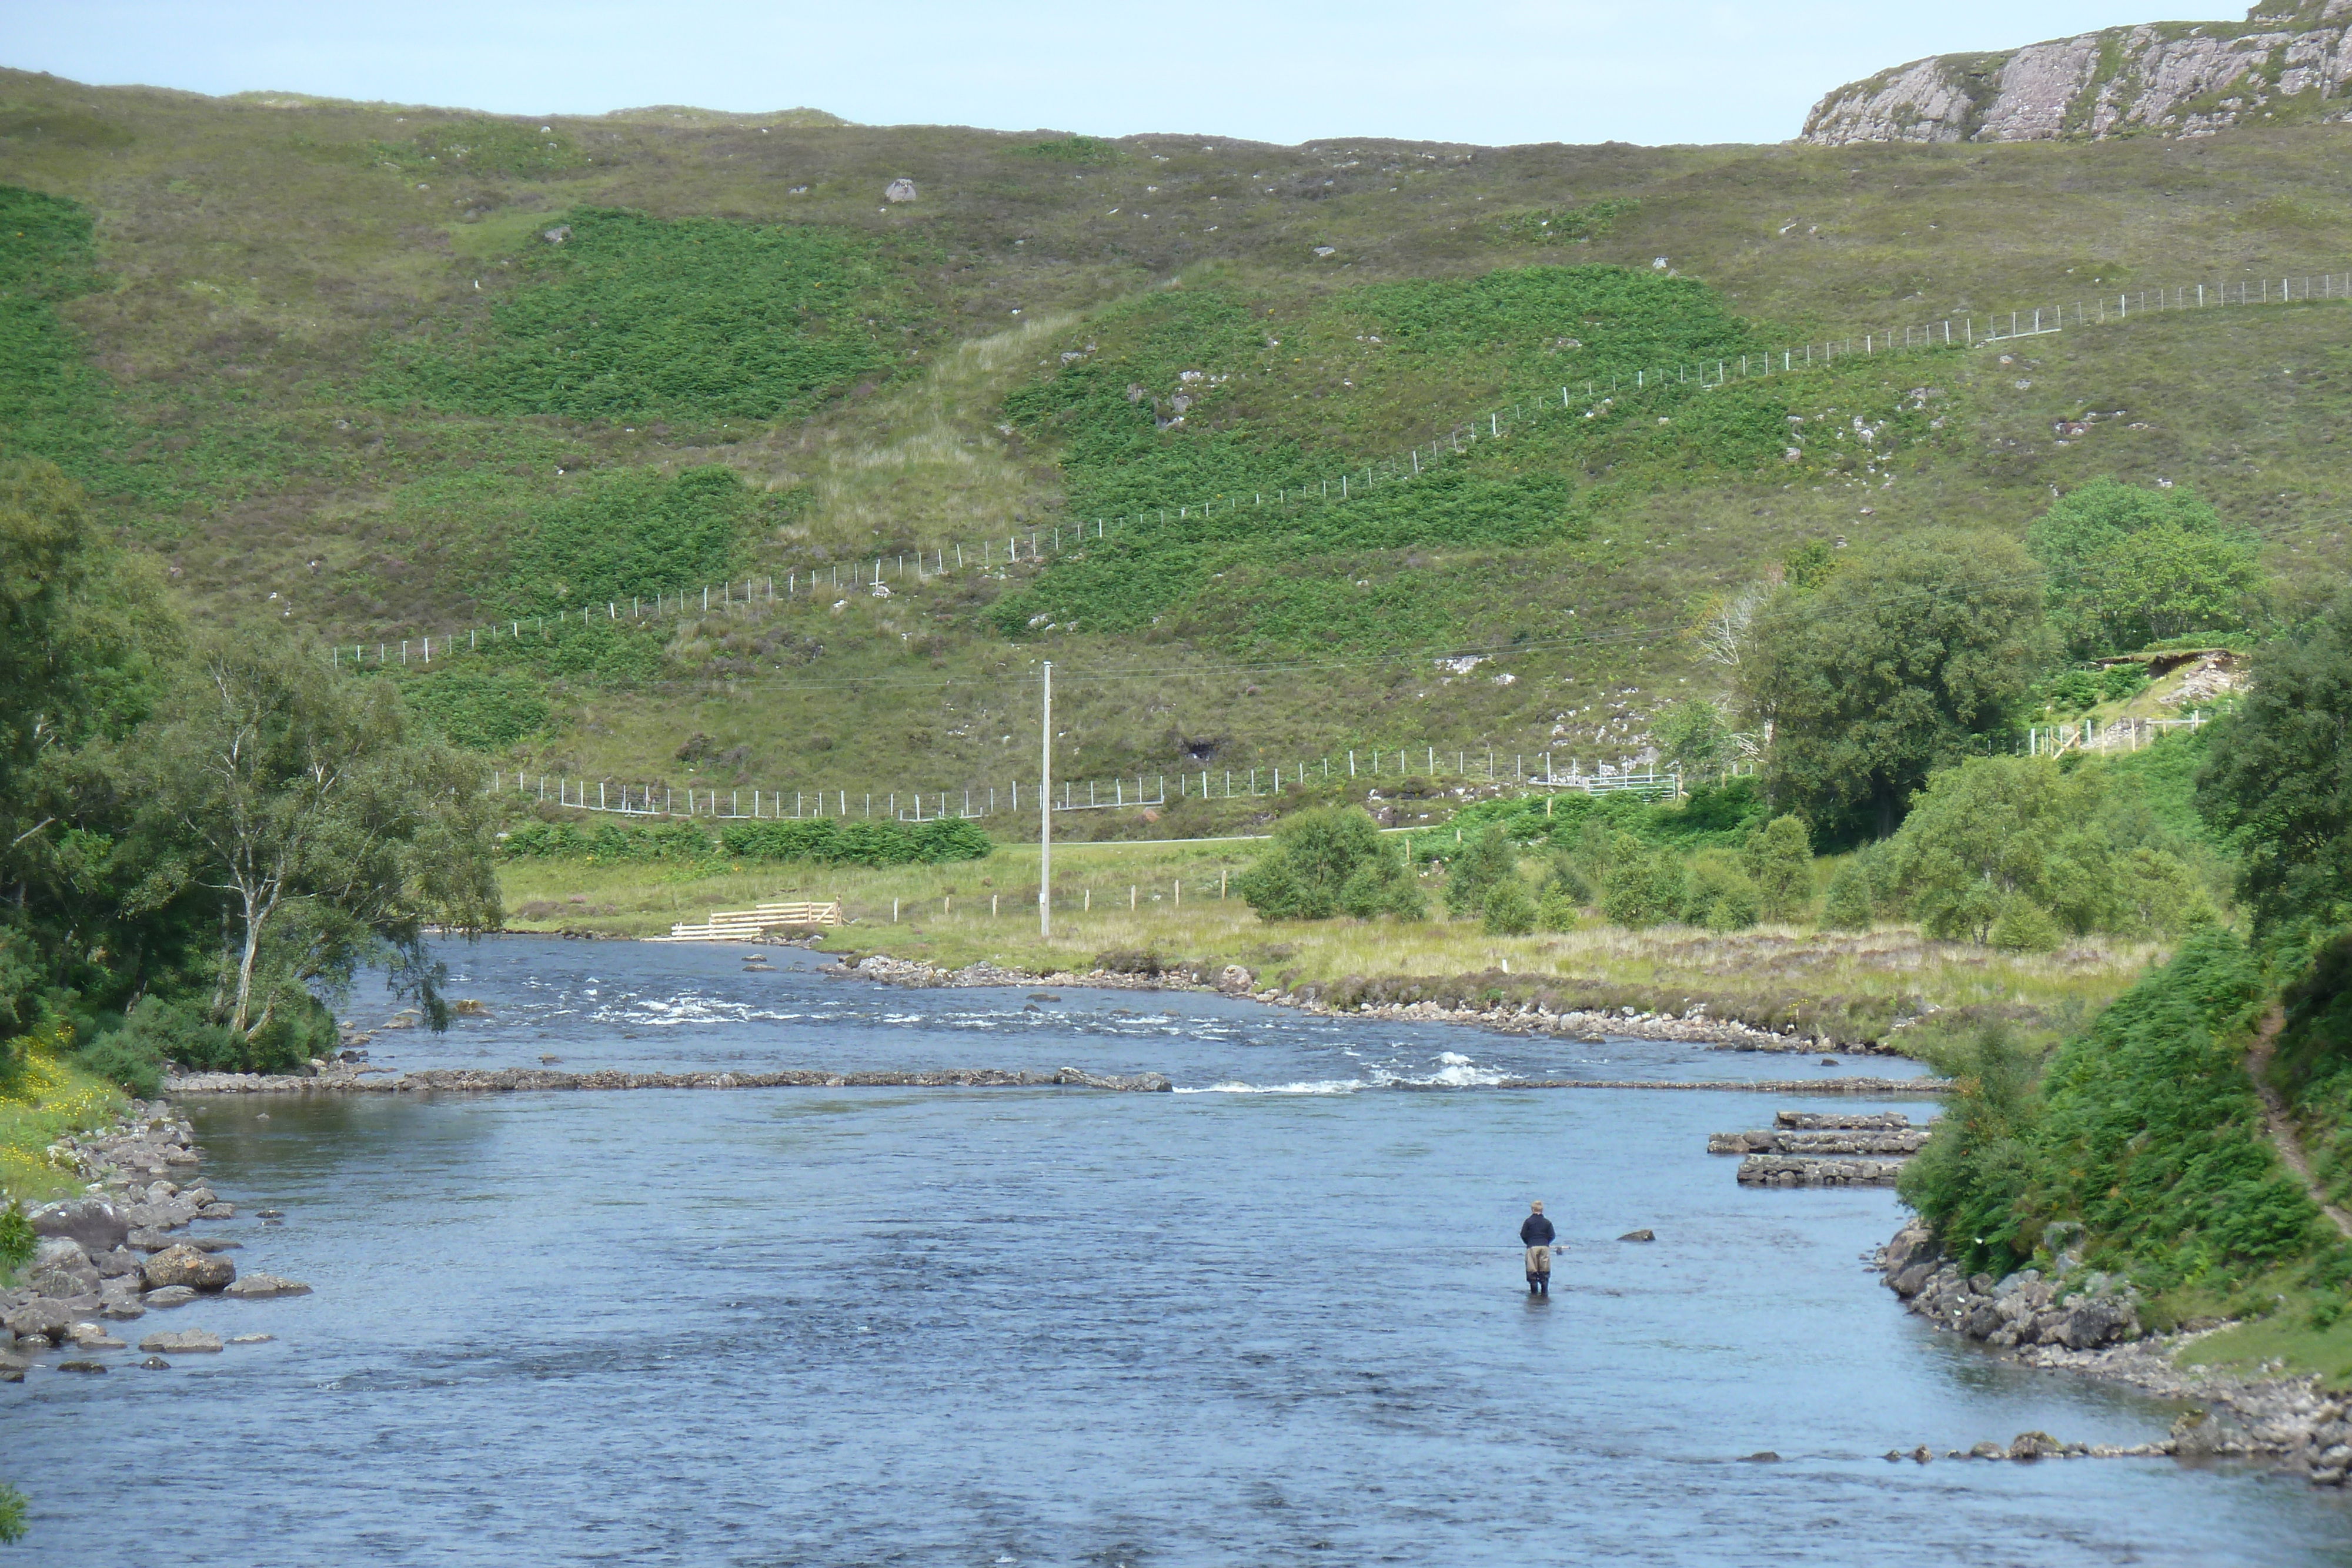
column 187, row 1341
column 93, row 1222
column 187, row 1266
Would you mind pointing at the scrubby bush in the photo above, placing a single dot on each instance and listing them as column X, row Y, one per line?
column 1720, row 895
column 2023, row 926
column 157, row 1031
column 1780, row 864
column 1330, row 862
column 1642, row 886
column 1483, row 862
column 1557, row 909
column 1972, row 1180
column 1510, row 909
column 1860, row 891
column 2118, row 682
column 18, row 1240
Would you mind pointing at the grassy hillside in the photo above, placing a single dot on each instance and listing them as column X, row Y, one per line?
column 325, row 358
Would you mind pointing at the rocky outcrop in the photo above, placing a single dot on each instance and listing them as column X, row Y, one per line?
column 2077, row 1309
column 2280, row 66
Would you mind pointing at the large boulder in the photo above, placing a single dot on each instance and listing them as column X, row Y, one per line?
column 186, row 1266
column 47, row 1316
column 96, row 1224
column 2102, row 1319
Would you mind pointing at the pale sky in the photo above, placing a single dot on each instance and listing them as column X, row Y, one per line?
column 1496, row 72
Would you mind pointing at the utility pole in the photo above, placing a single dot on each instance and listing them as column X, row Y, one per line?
column 1045, row 810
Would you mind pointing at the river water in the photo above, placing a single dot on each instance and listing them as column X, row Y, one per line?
column 1274, row 1318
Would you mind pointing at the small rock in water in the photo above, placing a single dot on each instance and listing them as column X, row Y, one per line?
column 1639, row 1236
column 2035, row 1445
column 1830, row 1061
column 185, row 1344
column 81, row 1366
column 1924, row 1454
column 250, row 1338
column 1987, row 1451
column 1761, row 1456
column 154, row 1364
column 185, row 1265
column 1044, row 997
column 548, row 1060
column 269, row 1214
column 263, row 1287
column 170, row 1296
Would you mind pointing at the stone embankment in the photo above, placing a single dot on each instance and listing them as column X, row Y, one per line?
column 1811, row 1148
column 2084, row 1321
column 117, row 1253
column 518, row 1079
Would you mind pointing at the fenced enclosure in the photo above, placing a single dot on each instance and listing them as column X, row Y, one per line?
column 872, row 575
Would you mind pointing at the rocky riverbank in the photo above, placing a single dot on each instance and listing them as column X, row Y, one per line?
column 2083, row 1321
column 1695, row 1025
column 123, row 1249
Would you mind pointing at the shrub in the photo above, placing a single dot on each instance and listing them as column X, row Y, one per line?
column 1326, row 862
column 1849, row 904
column 1483, row 862
column 828, row 842
column 1720, row 895
column 1971, row 1181
column 476, row 710
column 18, row 1240
column 1510, row 910
column 1558, row 910
column 2118, row 682
column 1642, row 886
column 1780, row 864
column 12, row 1514
column 157, row 1031
column 2023, row 926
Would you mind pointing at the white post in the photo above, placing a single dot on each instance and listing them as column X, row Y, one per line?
column 1045, row 807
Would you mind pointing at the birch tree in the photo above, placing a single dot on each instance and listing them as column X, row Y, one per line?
column 295, row 795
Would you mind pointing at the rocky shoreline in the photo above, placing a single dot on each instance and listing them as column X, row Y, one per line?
column 2082, row 1321
column 1694, row 1027
column 114, row 1255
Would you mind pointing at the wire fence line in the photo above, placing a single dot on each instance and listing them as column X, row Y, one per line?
column 872, row 575
column 1648, row 778
column 1484, row 766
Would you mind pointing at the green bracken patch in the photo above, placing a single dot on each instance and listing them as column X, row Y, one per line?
column 637, row 317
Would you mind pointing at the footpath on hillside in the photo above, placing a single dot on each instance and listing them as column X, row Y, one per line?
column 2281, row 1129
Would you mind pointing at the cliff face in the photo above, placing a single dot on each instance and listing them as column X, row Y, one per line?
column 2164, row 78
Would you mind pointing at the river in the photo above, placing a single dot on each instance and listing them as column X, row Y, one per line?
column 1275, row 1317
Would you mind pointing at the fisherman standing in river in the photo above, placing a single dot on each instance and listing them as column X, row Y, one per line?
column 1536, row 1236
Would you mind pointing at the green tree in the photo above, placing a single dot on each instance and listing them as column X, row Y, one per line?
column 12, row 1514
column 1999, row 830
column 1330, row 862
column 1972, row 1181
column 1889, row 669
column 1849, row 904
column 1780, row 862
column 1486, row 859
column 1692, row 738
column 2127, row 566
column 2278, row 774
column 292, row 796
